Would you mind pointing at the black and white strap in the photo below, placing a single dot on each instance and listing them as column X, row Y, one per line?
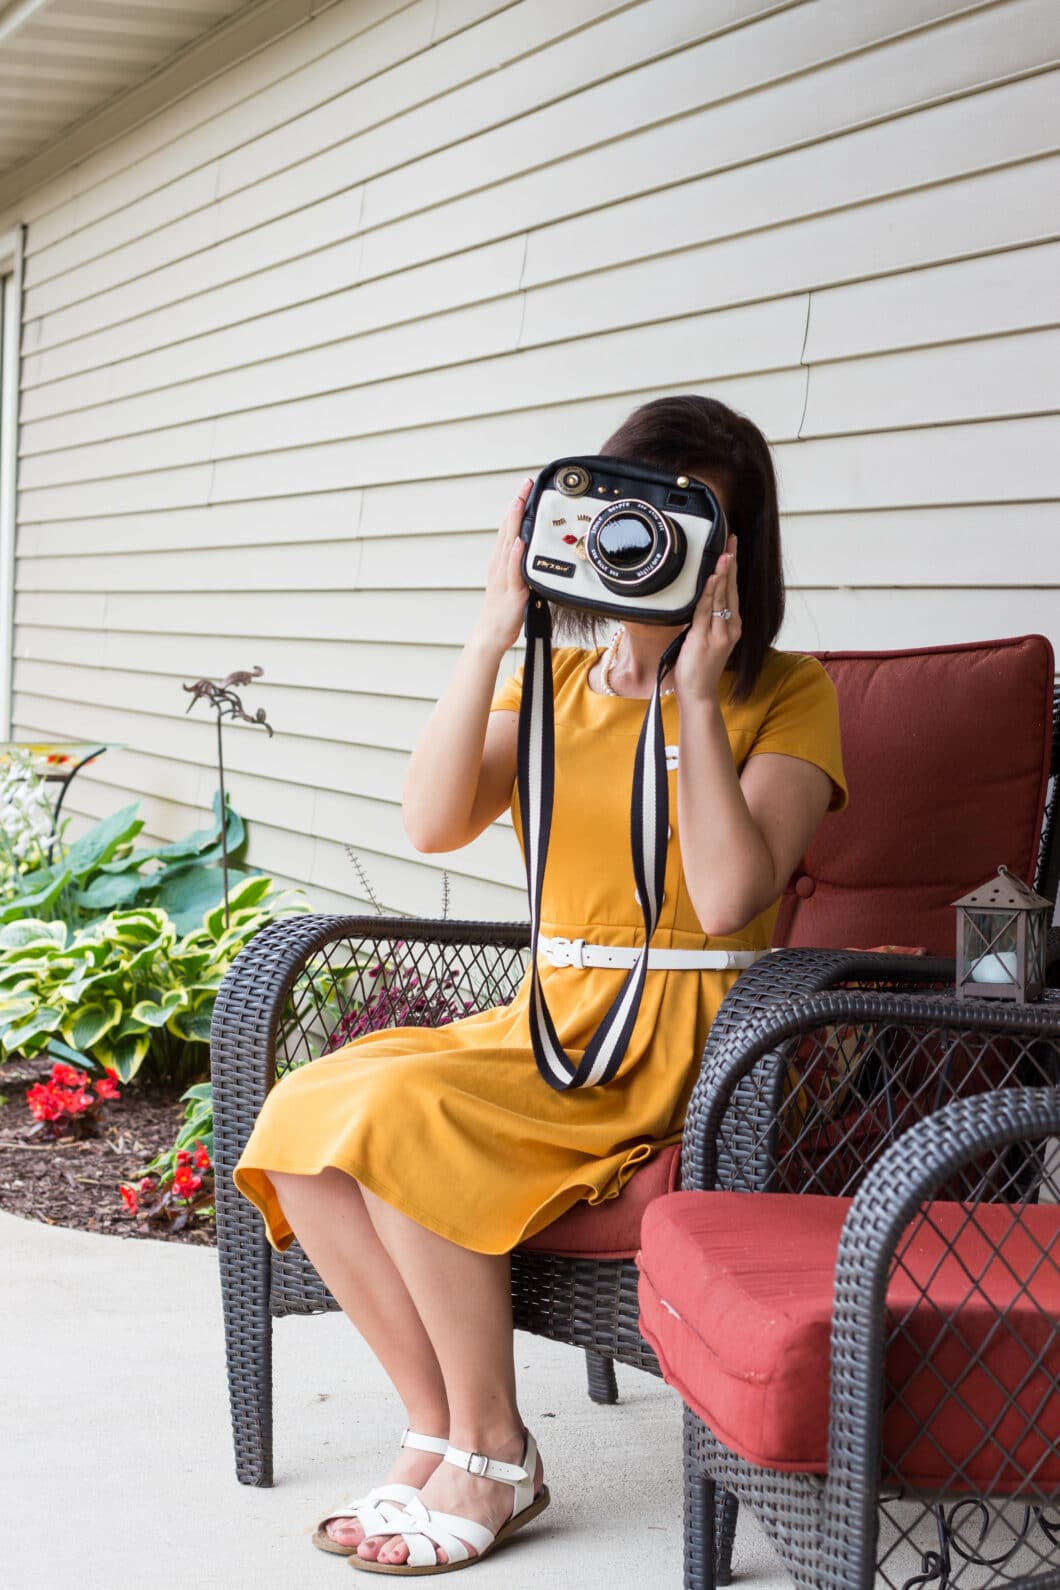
column 649, row 820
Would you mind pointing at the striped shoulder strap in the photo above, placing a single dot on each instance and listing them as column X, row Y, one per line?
column 649, row 820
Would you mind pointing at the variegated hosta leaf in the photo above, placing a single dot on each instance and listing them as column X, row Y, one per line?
column 88, row 1025
column 30, row 930
column 125, row 1055
column 156, row 1013
column 44, row 1020
column 16, row 1007
column 193, row 1023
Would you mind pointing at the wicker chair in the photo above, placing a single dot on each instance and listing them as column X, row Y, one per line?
column 931, row 1153
column 291, row 989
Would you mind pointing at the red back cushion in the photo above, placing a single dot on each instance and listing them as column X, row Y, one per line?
column 946, row 751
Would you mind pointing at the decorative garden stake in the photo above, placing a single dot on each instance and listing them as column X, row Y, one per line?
column 226, row 704
column 1001, row 934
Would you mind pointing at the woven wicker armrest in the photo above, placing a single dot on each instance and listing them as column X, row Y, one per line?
column 991, row 1149
column 776, row 998
column 811, row 1092
column 259, row 1026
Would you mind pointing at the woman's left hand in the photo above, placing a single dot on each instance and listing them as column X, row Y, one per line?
column 710, row 640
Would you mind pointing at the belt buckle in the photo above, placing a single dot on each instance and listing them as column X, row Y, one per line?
column 566, row 952
column 558, row 952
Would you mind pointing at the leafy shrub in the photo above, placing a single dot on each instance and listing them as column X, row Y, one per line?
column 126, row 989
column 102, row 871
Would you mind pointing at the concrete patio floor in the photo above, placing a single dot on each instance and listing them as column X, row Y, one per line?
column 116, row 1465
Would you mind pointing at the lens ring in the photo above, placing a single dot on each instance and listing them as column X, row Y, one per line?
column 663, row 548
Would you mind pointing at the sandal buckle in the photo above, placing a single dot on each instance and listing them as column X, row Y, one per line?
column 477, row 1463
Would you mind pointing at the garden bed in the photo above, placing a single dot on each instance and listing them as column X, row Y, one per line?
column 74, row 1181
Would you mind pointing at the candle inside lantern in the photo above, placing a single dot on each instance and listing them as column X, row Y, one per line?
column 998, row 967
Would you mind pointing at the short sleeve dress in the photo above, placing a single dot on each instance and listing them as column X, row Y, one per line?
column 455, row 1127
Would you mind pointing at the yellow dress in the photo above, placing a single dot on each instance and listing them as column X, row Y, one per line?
column 455, row 1126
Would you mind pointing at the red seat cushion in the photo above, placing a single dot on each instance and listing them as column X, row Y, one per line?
column 611, row 1230
column 736, row 1299
column 938, row 797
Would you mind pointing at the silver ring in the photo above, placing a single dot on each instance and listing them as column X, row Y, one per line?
column 721, row 612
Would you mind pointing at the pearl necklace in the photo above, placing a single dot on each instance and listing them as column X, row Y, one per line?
column 608, row 664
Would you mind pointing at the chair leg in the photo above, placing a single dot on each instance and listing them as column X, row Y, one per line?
column 700, row 1505
column 603, row 1387
column 244, row 1258
column 726, row 1509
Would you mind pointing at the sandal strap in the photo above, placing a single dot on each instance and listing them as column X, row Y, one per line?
column 424, row 1443
column 486, row 1468
column 377, row 1512
column 447, row 1530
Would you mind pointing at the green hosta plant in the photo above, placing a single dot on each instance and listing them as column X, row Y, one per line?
column 127, row 989
column 103, row 871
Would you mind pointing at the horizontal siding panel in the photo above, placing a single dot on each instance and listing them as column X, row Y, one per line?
column 939, row 144
column 991, row 378
column 333, row 615
column 1015, row 290
column 1004, row 292
column 735, row 65
column 308, row 360
column 993, row 546
column 395, row 667
column 877, row 620
column 381, row 68
column 403, row 113
column 312, row 395
column 864, row 466
column 328, row 199
column 475, row 348
column 327, row 516
column 414, row 508
column 493, row 441
column 954, row 546
column 672, row 353
column 988, row 211
column 371, row 773
column 349, row 717
column 322, row 279
column 1004, row 461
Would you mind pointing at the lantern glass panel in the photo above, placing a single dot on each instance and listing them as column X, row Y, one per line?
column 990, row 946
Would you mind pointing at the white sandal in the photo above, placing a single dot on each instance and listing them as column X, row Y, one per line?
column 378, row 1513
column 426, row 1529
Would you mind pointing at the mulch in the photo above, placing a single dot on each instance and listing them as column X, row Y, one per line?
column 73, row 1181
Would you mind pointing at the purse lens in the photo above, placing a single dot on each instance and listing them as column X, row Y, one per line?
column 634, row 548
column 626, row 543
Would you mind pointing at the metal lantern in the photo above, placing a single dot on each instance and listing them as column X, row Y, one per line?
column 1001, row 933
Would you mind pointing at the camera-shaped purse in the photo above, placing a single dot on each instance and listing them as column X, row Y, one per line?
column 621, row 538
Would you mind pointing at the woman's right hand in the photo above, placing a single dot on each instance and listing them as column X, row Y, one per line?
column 500, row 621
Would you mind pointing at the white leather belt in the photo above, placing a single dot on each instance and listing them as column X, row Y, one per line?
column 576, row 952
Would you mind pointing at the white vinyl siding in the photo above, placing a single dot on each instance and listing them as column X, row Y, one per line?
column 291, row 343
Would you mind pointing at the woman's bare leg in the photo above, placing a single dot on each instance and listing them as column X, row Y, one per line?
column 464, row 1301
column 327, row 1214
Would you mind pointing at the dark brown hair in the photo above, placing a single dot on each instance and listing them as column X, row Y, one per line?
column 699, row 436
